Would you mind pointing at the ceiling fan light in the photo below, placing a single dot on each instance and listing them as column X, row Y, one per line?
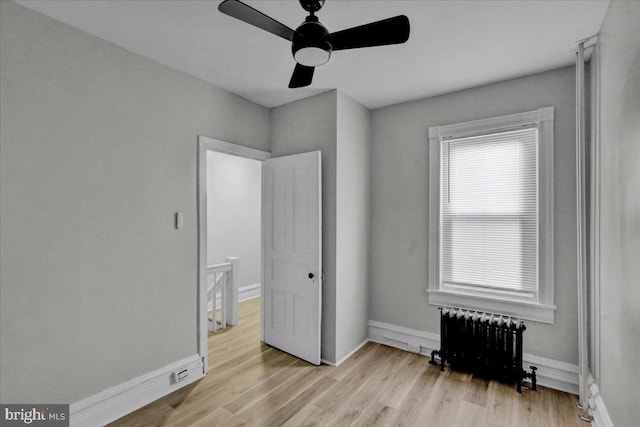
column 312, row 56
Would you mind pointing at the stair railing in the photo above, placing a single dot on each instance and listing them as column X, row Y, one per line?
column 222, row 293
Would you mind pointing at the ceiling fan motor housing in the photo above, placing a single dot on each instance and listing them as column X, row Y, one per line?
column 309, row 45
column 312, row 5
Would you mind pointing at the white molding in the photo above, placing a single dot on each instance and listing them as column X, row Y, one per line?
column 327, row 362
column 522, row 310
column 202, row 286
column 551, row 373
column 597, row 407
column 248, row 292
column 118, row 401
column 545, row 114
column 233, row 149
column 546, row 208
column 206, row 144
column 492, row 123
column 403, row 338
column 345, row 357
column 543, row 309
column 434, row 210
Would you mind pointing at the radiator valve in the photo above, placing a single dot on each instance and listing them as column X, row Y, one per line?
column 531, row 375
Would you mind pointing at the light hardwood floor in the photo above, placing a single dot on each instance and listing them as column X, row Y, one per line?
column 252, row 384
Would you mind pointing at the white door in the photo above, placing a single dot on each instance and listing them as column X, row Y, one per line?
column 292, row 254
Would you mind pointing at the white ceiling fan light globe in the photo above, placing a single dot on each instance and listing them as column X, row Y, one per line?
column 312, row 56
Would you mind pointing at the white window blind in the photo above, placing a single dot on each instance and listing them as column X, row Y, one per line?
column 489, row 213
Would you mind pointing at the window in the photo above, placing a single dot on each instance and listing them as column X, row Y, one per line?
column 491, row 215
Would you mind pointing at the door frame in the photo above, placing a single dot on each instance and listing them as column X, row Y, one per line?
column 206, row 144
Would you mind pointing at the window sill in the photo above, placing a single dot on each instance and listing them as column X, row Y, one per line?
column 522, row 310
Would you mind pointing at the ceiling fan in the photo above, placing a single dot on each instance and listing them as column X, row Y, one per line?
column 311, row 42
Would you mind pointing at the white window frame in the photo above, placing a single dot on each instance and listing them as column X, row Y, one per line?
column 544, row 309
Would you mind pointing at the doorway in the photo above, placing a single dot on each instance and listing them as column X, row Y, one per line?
column 233, row 227
column 290, row 255
column 229, row 223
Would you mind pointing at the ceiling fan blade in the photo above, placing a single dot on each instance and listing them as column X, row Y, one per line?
column 246, row 13
column 388, row 31
column 302, row 76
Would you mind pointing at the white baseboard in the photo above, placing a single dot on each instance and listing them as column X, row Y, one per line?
column 403, row 338
column 345, row 357
column 245, row 293
column 551, row 373
column 118, row 401
column 249, row 292
column 597, row 408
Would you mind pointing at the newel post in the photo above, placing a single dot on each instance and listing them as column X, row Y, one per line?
column 232, row 291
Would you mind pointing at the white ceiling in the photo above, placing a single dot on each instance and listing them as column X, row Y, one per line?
column 453, row 44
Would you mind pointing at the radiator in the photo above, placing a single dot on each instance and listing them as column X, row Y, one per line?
column 488, row 345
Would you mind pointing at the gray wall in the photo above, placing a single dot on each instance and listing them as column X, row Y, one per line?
column 339, row 127
column 620, row 211
column 234, row 195
column 352, row 235
column 299, row 127
column 399, row 202
column 98, row 150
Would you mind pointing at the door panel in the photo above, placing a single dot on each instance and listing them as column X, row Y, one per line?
column 291, row 210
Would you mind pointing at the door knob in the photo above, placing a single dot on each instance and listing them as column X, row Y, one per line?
column 311, row 276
